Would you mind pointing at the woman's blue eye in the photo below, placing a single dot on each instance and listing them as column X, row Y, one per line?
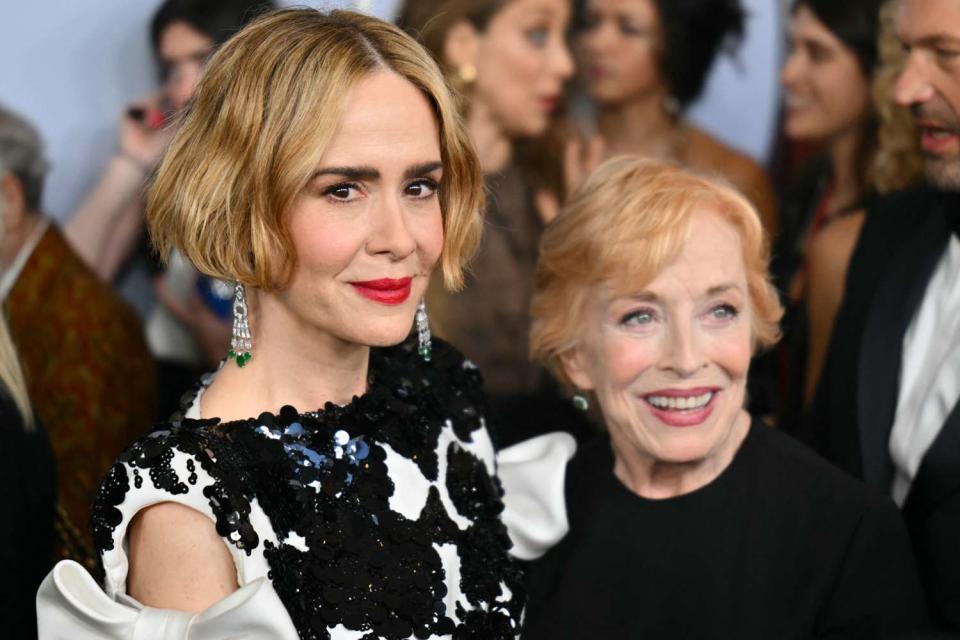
column 644, row 316
column 538, row 37
column 724, row 312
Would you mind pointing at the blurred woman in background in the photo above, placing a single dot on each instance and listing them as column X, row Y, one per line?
column 28, row 493
column 644, row 62
column 828, row 76
column 509, row 60
column 189, row 329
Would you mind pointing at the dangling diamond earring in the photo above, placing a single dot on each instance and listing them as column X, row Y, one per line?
column 241, row 344
column 424, row 348
column 580, row 401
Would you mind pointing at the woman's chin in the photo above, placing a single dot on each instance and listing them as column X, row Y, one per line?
column 685, row 449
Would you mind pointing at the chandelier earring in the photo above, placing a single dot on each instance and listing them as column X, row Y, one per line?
column 424, row 346
column 241, row 343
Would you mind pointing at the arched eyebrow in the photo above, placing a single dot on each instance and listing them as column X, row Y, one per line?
column 722, row 288
column 716, row 290
column 370, row 173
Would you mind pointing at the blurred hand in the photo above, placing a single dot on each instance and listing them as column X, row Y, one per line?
column 211, row 333
column 580, row 158
column 144, row 140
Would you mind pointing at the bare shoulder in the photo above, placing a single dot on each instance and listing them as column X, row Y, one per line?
column 177, row 559
column 707, row 153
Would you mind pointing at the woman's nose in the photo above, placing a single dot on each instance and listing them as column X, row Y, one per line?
column 391, row 233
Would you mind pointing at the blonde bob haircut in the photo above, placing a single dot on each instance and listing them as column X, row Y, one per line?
column 266, row 109
column 628, row 222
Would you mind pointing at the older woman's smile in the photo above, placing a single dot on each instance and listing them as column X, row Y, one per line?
column 682, row 407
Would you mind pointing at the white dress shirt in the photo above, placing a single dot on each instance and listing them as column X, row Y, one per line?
column 930, row 373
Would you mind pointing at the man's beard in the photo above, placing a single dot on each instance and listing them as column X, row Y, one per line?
column 942, row 173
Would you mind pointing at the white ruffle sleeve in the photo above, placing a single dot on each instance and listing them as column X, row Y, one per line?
column 70, row 606
column 533, row 474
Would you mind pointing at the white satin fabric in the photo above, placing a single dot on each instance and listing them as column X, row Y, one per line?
column 533, row 474
column 70, row 606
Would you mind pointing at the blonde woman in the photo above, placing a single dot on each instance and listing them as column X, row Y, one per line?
column 692, row 519
column 334, row 479
column 28, row 478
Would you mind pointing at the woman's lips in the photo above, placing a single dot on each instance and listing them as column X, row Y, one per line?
column 549, row 103
column 388, row 291
column 682, row 407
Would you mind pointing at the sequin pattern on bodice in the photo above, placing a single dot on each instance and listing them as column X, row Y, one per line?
column 382, row 516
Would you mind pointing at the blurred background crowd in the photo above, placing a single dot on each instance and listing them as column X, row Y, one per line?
column 801, row 105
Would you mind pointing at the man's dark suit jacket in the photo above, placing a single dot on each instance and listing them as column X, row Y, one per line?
column 902, row 241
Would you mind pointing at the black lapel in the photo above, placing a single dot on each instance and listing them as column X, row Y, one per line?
column 897, row 300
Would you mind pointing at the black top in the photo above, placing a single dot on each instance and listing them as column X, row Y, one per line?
column 381, row 516
column 28, row 493
column 779, row 546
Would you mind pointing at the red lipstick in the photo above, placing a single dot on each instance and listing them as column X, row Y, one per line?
column 388, row 291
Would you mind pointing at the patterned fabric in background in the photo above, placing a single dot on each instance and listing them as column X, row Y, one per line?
column 89, row 373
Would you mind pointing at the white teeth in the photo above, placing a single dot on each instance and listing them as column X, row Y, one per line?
column 681, row 404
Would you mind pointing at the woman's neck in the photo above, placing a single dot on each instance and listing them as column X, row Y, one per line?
column 844, row 152
column 660, row 480
column 293, row 363
column 494, row 147
column 641, row 126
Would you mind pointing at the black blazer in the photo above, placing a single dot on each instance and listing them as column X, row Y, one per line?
column 902, row 241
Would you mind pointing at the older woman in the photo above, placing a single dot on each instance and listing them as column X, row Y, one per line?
column 321, row 166
column 692, row 519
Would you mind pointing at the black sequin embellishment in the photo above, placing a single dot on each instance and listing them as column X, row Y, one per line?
column 343, row 557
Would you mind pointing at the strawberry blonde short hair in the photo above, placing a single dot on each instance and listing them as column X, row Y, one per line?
column 267, row 107
column 628, row 222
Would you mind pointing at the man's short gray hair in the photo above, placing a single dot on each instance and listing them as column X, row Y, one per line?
column 22, row 154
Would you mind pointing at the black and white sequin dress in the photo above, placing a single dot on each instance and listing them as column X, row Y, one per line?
column 378, row 519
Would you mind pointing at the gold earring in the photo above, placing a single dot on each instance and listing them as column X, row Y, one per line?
column 467, row 73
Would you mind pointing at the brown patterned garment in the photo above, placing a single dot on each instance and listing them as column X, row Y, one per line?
column 89, row 374
column 490, row 319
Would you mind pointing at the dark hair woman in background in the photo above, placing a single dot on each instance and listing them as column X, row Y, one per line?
column 644, row 62
column 186, row 316
column 827, row 80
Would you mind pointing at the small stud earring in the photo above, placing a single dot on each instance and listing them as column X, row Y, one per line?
column 580, row 401
column 467, row 74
